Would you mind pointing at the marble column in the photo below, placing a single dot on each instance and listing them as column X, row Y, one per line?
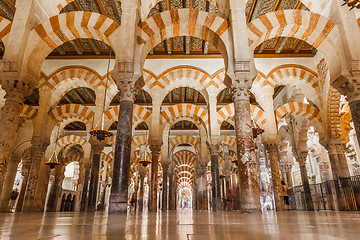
column 339, row 171
column 119, row 191
column 142, row 173
column 40, row 194
column 202, row 186
column 272, row 148
column 9, row 121
column 9, row 183
column 26, row 164
column 155, row 152
column 50, row 191
column 55, row 190
column 85, row 189
column 305, row 181
column 165, row 166
column 172, row 190
column 96, row 149
column 215, row 176
column 38, row 148
column 289, row 179
column 247, row 166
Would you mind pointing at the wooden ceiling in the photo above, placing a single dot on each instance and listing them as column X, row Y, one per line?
column 7, row 9
column 184, row 95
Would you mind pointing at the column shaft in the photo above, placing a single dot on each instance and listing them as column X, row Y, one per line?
column 38, row 149
column 305, row 181
column 119, row 190
column 8, row 124
column 25, row 173
column 248, row 178
column 165, row 187
column 154, row 178
column 355, row 112
column 275, row 176
column 215, row 176
column 85, row 189
column 94, row 182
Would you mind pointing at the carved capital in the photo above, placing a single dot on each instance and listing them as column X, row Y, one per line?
column 165, row 166
column 38, row 147
column 96, row 146
column 16, row 90
column 155, row 149
column 214, row 149
column 240, row 88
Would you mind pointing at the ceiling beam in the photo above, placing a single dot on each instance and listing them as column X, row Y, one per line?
column 61, row 50
column 170, row 97
column 252, row 10
column 75, row 91
column 298, row 46
column 89, row 94
column 187, row 44
column 76, row 47
column 281, row 44
column 196, row 96
column 168, row 46
column 6, row 9
column 261, row 48
column 183, row 94
column 94, row 46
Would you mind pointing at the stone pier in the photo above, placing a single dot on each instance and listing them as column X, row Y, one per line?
column 155, row 152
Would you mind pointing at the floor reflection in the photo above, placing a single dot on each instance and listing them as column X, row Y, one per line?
column 181, row 225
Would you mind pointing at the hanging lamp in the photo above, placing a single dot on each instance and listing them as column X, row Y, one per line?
column 146, row 160
column 101, row 133
column 352, row 4
column 53, row 160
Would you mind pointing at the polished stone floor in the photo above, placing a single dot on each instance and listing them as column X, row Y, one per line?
column 182, row 225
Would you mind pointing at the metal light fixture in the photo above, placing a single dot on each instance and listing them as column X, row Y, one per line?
column 146, row 160
column 222, row 176
column 234, row 160
column 53, row 160
column 102, row 133
column 256, row 129
column 352, row 4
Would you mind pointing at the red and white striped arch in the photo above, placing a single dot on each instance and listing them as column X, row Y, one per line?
column 65, row 27
column 28, row 112
column 182, row 22
column 72, row 158
column 5, row 28
column 228, row 140
column 185, row 139
column 171, row 114
column 138, row 141
column 295, row 76
column 107, row 157
column 307, row 111
column 184, row 157
column 70, row 139
column 140, row 114
column 228, row 111
column 316, row 30
column 72, row 110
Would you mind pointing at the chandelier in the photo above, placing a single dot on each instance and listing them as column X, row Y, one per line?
column 234, row 160
column 222, row 176
column 256, row 130
column 146, row 160
column 352, row 4
column 53, row 160
column 101, row 133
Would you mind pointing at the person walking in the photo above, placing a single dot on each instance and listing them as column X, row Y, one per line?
column 13, row 196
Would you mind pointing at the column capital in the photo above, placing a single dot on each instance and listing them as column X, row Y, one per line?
column 97, row 146
column 349, row 84
column 214, row 149
column 165, row 165
column 301, row 159
column 16, row 90
column 128, row 82
column 38, row 146
column 155, row 149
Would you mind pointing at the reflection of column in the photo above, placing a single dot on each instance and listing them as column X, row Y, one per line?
column 215, row 176
column 305, row 181
column 155, row 152
column 96, row 149
column 165, row 166
column 248, row 178
column 9, row 183
column 272, row 147
column 85, row 187
column 26, row 163
column 38, row 149
column 15, row 93
column 121, row 169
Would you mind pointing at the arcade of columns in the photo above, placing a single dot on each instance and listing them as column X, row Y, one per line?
column 29, row 134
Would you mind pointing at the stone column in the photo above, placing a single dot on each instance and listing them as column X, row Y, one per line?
column 26, row 163
column 50, row 191
column 54, row 193
column 85, row 188
column 305, row 181
column 272, row 148
column 202, row 186
column 172, row 190
column 248, row 178
column 155, row 152
column 289, row 176
column 165, row 166
column 142, row 173
column 16, row 91
column 96, row 148
column 215, row 176
column 119, row 191
column 38, row 149
column 9, row 183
